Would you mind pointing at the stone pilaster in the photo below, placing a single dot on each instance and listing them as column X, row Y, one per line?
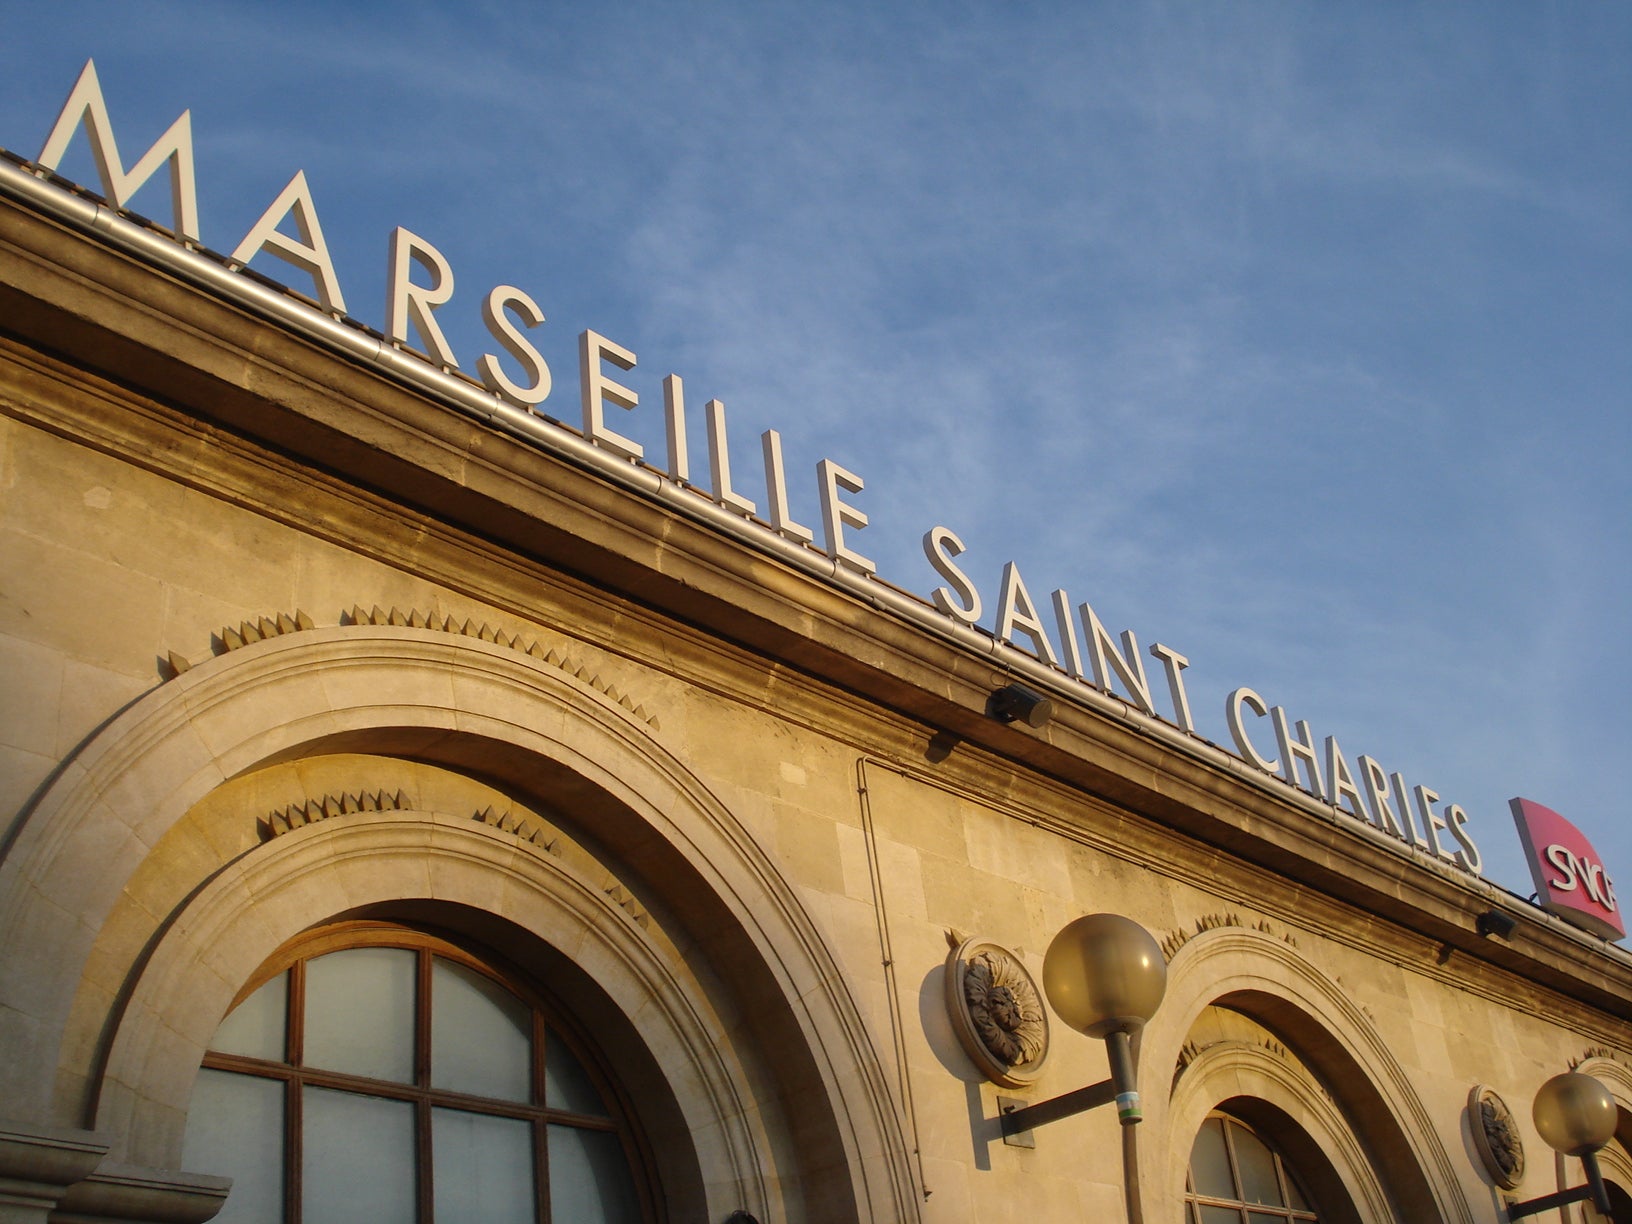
column 38, row 1164
column 125, row 1194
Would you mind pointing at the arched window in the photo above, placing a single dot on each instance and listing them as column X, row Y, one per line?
column 374, row 1074
column 1237, row 1178
column 1620, row 1206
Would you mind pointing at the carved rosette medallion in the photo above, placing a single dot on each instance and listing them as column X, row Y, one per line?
column 996, row 1011
column 1496, row 1137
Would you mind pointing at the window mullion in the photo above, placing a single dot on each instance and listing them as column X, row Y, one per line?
column 422, row 1019
column 541, row 1130
column 293, row 1105
column 294, row 1151
column 424, row 1169
column 1235, row 1166
column 295, row 1032
column 425, row 1177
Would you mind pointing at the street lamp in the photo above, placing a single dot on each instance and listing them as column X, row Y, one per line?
column 1104, row 976
column 1576, row 1115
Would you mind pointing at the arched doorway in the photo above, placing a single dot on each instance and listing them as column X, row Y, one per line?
column 384, row 771
column 1250, row 1028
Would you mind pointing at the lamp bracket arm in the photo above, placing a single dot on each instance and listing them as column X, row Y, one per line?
column 1535, row 1206
column 1066, row 1105
column 1594, row 1190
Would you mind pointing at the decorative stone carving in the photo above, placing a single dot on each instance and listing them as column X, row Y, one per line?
column 1594, row 1052
column 443, row 623
column 1496, row 1137
column 298, row 815
column 230, row 639
column 175, row 664
column 1190, row 1051
column 1212, row 922
column 260, row 630
column 625, row 900
column 996, row 1011
column 526, row 828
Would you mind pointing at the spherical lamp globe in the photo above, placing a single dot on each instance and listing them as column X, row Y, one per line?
column 1575, row 1114
column 1104, row 974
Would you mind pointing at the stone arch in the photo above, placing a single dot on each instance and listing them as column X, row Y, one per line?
column 1371, row 1098
column 1616, row 1167
column 1618, row 1079
column 466, row 704
column 1278, row 1097
column 1616, row 1158
column 377, row 861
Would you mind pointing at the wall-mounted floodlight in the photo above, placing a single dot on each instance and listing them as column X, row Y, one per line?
column 1576, row 1115
column 1104, row 976
column 1017, row 703
column 1494, row 922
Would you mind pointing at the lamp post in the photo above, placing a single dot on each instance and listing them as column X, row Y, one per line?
column 1104, row 976
column 1576, row 1115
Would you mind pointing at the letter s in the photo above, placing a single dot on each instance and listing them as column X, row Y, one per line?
column 1564, row 863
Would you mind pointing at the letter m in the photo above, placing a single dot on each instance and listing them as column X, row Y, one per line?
column 86, row 105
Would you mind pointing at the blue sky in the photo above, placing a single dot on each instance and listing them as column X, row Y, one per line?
column 1298, row 338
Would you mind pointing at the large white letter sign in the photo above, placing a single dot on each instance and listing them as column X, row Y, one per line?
column 1128, row 665
column 1431, row 824
column 1295, row 748
column 776, row 491
column 674, row 417
column 517, row 345
column 1238, row 731
column 1072, row 663
column 1468, row 857
column 1173, row 663
column 1340, row 783
column 1375, row 780
column 960, row 601
column 310, row 254
column 1016, row 611
column 85, row 104
column 1402, row 800
column 719, row 458
column 837, row 515
column 406, row 302
column 598, row 390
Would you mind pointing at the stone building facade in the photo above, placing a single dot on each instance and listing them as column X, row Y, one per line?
column 303, row 659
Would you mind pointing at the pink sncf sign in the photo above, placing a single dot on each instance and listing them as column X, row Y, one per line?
column 1570, row 877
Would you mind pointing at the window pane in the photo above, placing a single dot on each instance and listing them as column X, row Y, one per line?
column 566, row 1084
column 483, row 1168
column 1257, row 1166
column 360, row 1013
column 1209, row 1164
column 1263, row 1217
column 235, row 1129
column 1220, row 1215
column 481, row 1035
column 358, row 1165
column 255, row 1027
column 1293, row 1190
column 589, row 1178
